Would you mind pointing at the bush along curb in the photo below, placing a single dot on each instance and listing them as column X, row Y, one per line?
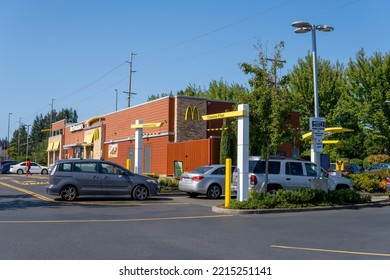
column 223, row 210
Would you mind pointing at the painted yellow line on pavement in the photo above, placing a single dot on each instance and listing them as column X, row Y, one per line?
column 99, row 203
column 116, row 220
column 41, row 197
column 331, row 251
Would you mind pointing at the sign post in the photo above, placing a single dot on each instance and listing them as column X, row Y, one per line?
column 317, row 126
column 242, row 147
column 139, row 125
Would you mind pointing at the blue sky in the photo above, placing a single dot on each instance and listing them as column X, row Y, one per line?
column 75, row 51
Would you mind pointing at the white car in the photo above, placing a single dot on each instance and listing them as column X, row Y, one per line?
column 20, row 168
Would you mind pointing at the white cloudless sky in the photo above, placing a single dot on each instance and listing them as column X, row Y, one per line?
column 77, row 51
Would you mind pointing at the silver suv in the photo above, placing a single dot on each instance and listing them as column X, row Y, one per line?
column 288, row 174
column 75, row 177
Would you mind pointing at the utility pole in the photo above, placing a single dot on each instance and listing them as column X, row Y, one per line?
column 129, row 93
column 51, row 117
column 28, row 132
column 20, row 120
column 116, row 100
column 275, row 67
column 9, row 117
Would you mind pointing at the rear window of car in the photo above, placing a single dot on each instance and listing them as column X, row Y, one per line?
column 273, row 167
column 202, row 169
column 65, row 167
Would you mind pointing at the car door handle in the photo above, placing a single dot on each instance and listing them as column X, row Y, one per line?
column 95, row 177
column 288, row 179
column 106, row 178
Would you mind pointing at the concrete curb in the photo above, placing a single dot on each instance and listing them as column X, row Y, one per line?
column 222, row 210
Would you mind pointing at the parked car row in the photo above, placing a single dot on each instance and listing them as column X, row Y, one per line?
column 353, row 168
column 13, row 166
column 283, row 173
column 5, row 165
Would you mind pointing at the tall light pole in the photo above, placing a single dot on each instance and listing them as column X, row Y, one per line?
column 9, row 118
column 28, row 132
column 304, row 27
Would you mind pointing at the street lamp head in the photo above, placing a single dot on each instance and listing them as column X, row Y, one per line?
column 302, row 30
column 304, row 27
column 301, row 24
column 324, row 28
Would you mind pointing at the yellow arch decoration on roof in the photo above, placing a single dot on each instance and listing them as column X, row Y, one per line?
column 92, row 119
column 328, row 131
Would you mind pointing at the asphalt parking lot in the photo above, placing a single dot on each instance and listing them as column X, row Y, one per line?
column 36, row 226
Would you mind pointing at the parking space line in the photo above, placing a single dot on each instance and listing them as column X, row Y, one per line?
column 41, row 197
column 331, row 251
column 99, row 203
column 116, row 220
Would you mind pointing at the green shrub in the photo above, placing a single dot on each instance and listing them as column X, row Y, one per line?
column 300, row 198
column 168, row 184
column 370, row 182
column 341, row 197
column 152, row 175
column 372, row 159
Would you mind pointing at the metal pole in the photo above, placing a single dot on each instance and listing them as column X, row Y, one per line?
column 9, row 117
column 20, row 120
column 51, row 117
column 116, row 100
column 28, row 131
column 317, row 155
column 130, row 74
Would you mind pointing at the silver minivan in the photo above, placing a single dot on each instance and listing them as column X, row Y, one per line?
column 77, row 177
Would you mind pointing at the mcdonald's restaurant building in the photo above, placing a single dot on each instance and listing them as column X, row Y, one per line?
column 181, row 135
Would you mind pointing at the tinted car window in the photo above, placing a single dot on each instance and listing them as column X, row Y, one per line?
column 273, row 167
column 219, row 171
column 87, row 167
column 294, row 168
column 65, row 167
column 202, row 169
column 110, row 169
column 311, row 169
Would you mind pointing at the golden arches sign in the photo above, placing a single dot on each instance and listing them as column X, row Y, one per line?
column 192, row 110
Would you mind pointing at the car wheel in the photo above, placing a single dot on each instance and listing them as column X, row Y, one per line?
column 20, row 171
column 214, row 191
column 192, row 194
column 68, row 193
column 44, row 171
column 272, row 190
column 140, row 192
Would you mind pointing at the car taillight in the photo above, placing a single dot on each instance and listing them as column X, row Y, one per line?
column 387, row 180
column 181, row 178
column 197, row 178
column 253, row 180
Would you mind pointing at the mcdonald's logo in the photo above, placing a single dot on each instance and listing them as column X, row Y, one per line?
column 192, row 110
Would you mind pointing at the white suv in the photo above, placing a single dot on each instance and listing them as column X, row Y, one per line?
column 288, row 174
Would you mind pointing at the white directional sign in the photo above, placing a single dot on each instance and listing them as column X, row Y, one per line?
column 317, row 123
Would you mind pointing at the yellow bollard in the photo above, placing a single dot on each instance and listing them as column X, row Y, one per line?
column 128, row 164
column 228, row 180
